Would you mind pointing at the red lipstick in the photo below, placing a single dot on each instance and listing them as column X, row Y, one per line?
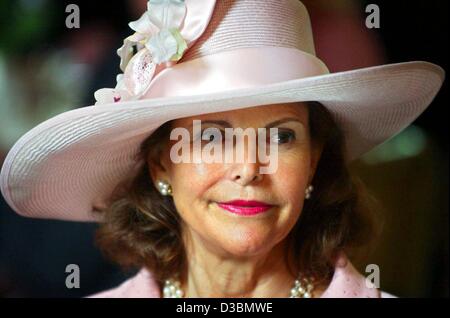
column 244, row 207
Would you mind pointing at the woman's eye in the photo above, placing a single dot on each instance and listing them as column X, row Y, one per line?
column 282, row 137
column 212, row 135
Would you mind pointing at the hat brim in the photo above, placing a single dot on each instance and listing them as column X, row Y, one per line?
column 70, row 163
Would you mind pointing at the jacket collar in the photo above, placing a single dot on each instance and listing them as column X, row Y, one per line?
column 346, row 282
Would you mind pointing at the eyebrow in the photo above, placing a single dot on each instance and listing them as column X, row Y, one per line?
column 282, row 121
column 223, row 123
column 226, row 124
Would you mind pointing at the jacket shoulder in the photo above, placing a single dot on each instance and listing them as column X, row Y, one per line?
column 387, row 295
column 142, row 285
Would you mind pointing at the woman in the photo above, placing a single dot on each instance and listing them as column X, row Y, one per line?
column 149, row 160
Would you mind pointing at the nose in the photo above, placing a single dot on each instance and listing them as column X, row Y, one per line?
column 246, row 174
column 246, row 171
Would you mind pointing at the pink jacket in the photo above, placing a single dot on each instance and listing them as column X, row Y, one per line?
column 346, row 282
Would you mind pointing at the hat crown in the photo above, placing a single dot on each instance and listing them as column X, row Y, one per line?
column 237, row 24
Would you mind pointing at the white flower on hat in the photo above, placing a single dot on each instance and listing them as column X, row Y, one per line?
column 113, row 95
column 161, row 25
column 166, row 14
column 167, row 45
column 131, row 45
column 157, row 29
column 157, row 39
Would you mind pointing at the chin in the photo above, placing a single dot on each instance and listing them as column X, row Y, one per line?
column 242, row 243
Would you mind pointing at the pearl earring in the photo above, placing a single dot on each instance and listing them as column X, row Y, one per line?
column 308, row 191
column 164, row 188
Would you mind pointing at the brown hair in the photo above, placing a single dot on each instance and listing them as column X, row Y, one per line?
column 142, row 228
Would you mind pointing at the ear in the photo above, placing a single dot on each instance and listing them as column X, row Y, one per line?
column 159, row 165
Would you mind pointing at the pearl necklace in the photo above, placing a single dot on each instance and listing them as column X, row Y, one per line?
column 302, row 288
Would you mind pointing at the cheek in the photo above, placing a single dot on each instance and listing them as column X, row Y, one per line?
column 193, row 179
column 292, row 177
column 190, row 184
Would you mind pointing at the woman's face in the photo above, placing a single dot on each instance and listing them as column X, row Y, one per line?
column 200, row 188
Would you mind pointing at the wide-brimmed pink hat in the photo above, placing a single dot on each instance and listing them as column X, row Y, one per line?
column 194, row 57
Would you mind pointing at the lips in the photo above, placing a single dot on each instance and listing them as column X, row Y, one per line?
column 244, row 207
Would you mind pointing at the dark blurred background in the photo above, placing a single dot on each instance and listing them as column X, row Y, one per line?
column 46, row 68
